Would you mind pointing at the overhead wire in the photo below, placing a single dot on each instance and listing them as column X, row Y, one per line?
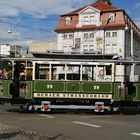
column 31, row 18
column 25, row 26
column 21, row 25
column 40, row 19
column 55, row 19
column 39, row 13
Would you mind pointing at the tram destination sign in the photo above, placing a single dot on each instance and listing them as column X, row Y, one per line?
column 73, row 95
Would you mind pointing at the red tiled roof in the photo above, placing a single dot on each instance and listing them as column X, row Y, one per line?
column 103, row 6
column 91, row 27
column 98, row 5
column 105, row 9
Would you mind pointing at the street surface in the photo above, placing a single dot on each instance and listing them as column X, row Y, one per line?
column 15, row 125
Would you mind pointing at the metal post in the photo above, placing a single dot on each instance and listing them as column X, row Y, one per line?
column 33, row 71
column 132, row 57
column 50, row 74
column 97, row 71
column 113, row 72
column 65, row 72
column 81, row 71
column 123, row 82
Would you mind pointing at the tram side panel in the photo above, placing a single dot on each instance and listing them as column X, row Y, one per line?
column 136, row 93
column 76, row 92
column 7, row 90
column 20, row 93
column 74, row 89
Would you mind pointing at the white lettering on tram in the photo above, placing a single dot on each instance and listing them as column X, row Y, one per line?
column 49, row 86
column 73, row 95
column 96, row 87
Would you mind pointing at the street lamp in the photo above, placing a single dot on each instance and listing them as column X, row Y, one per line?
column 10, row 32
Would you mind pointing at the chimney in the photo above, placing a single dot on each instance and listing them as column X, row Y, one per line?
column 105, row 1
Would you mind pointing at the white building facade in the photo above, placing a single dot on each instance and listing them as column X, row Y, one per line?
column 100, row 28
column 10, row 50
column 41, row 47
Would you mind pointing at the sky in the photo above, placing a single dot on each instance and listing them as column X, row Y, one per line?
column 25, row 21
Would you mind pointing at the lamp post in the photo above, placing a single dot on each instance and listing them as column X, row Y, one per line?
column 124, row 88
column 132, row 73
column 15, row 48
column 132, row 57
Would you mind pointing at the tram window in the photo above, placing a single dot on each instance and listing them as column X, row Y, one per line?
column 70, row 76
column 73, row 76
column 25, row 70
column 6, row 70
column 88, row 73
column 42, row 71
column 29, row 64
column 28, row 74
column 108, row 70
column 73, row 72
column 56, row 70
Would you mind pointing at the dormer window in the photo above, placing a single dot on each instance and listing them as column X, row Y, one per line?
column 68, row 21
column 92, row 20
column 112, row 17
column 86, row 22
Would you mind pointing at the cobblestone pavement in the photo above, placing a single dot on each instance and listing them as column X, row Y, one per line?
column 10, row 132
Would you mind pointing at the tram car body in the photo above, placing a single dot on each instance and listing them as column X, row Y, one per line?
column 47, row 84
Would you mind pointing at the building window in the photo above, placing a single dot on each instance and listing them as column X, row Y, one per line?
column 92, row 20
column 68, row 21
column 86, row 20
column 112, row 17
column 77, row 43
column 65, row 36
column 85, row 35
column 91, row 47
column 85, row 48
column 91, row 35
column 107, row 34
column 114, row 45
column 114, row 34
column 107, row 45
column 70, row 36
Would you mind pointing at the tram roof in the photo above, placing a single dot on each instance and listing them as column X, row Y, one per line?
column 119, row 61
column 73, row 55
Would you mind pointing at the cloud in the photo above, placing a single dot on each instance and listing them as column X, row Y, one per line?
column 137, row 5
column 32, row 8
column 38, row 8
column 10, row 12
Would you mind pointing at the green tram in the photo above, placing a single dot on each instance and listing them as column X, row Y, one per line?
column 43, row 84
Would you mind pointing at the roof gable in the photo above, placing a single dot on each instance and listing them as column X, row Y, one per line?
column 89, row 10
column 99, row 5
column 103, row 6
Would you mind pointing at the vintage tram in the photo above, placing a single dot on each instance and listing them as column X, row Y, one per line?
column 44, row 84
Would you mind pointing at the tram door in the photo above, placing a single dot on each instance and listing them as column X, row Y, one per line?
column 22, row 74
